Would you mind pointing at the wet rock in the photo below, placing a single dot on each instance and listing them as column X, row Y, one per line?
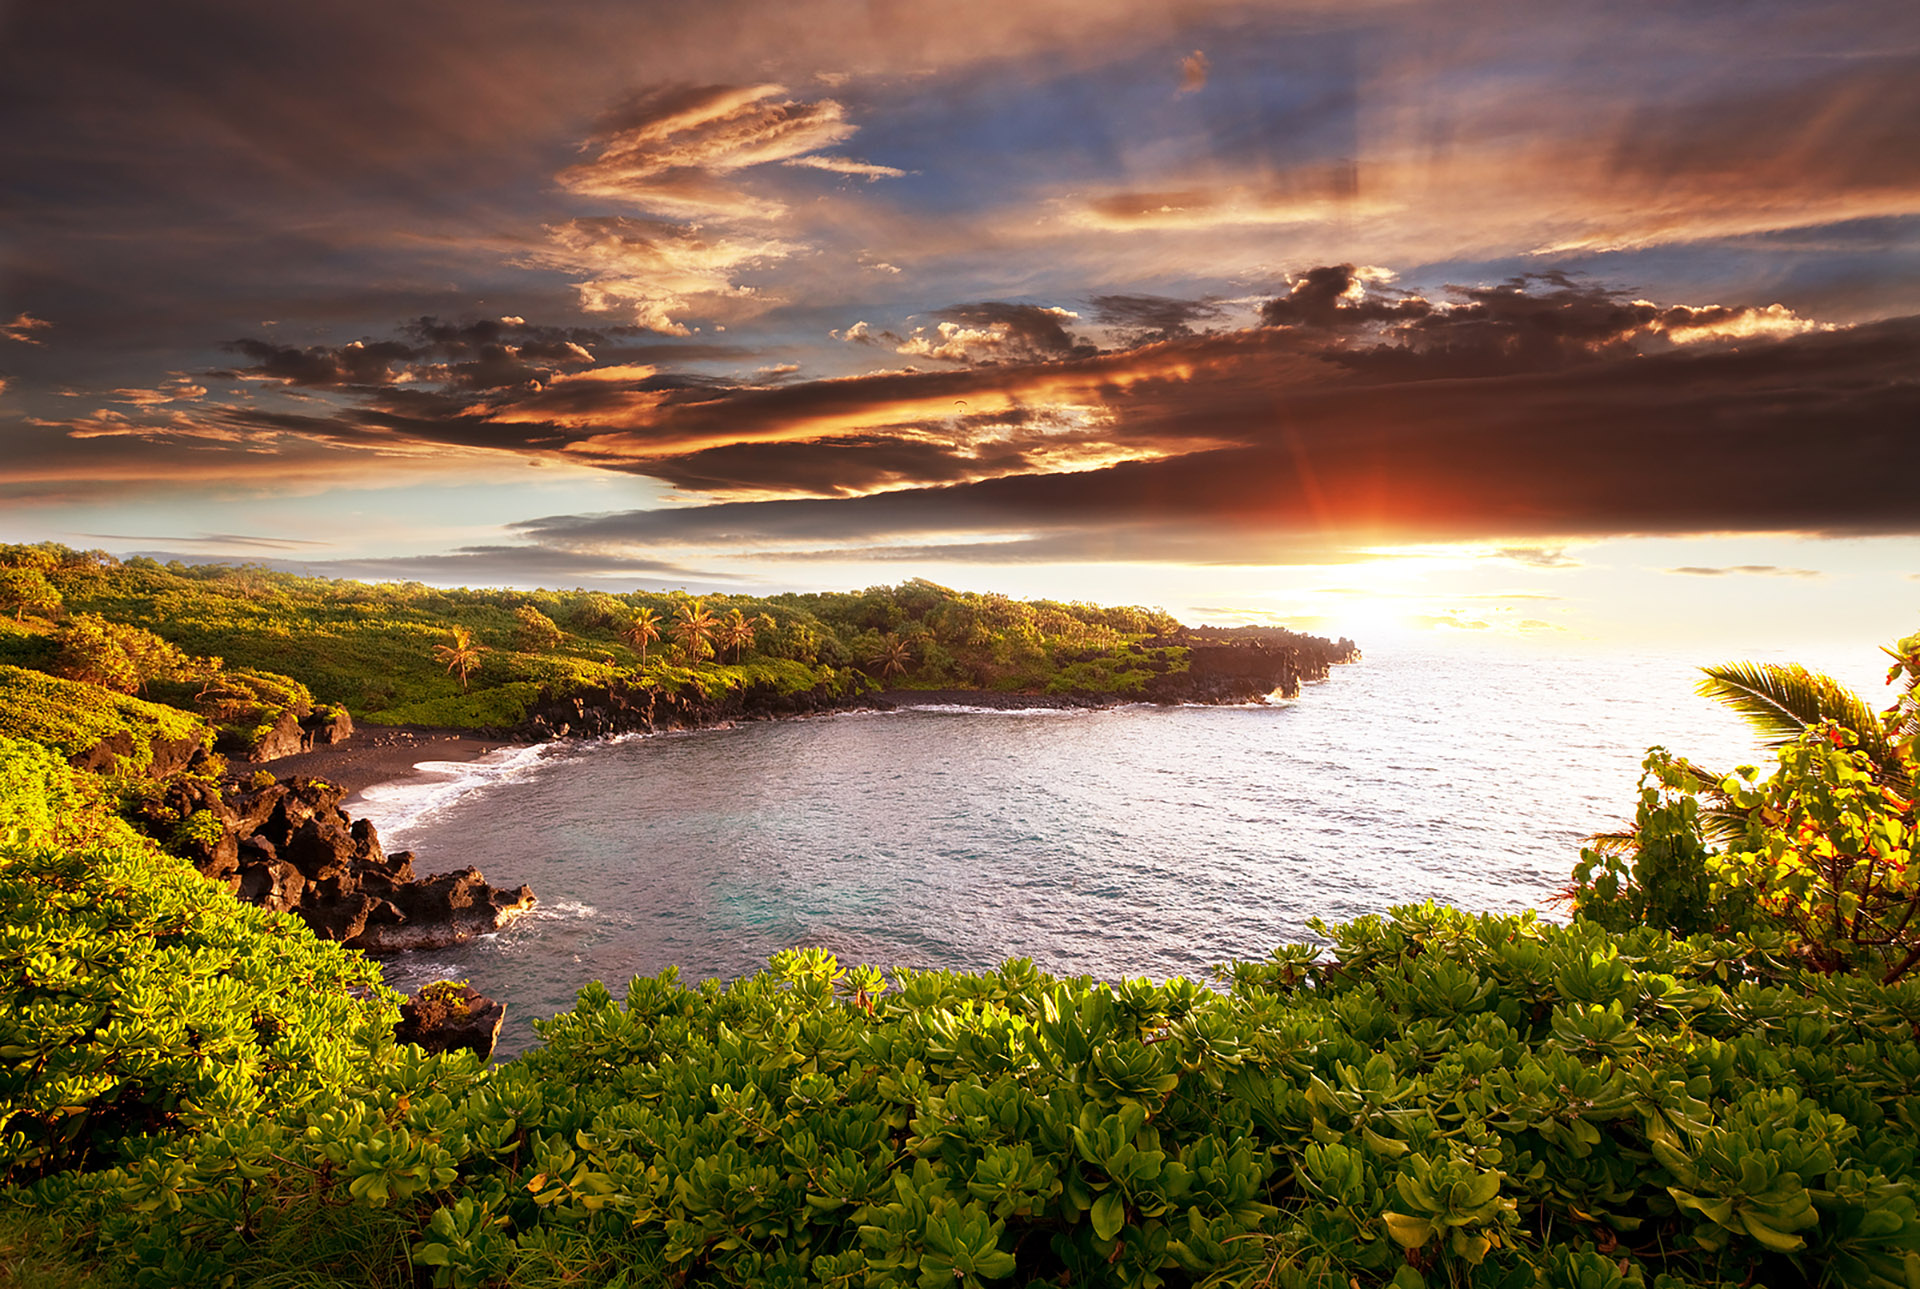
column 451, row 1016
column 446, row 909
column 301, row 853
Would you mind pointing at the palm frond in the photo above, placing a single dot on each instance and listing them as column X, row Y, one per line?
column 1782, row 702
column 1613, row 843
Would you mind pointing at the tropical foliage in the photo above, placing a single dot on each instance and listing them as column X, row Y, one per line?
column 1820, row 849
column 393, row 653
column 1706, row 1079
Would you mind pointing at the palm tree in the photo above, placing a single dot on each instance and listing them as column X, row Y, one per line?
column 693, row 627
column 738, row 630
column 893, row 657
column 461, row 657
column 644, row 628
column 1782, row 702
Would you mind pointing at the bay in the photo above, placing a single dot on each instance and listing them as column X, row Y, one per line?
column 1128, row 841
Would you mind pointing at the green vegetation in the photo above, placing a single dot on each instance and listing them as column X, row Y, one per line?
column 239, row 646
column 1706, row 1079
column 72, row 716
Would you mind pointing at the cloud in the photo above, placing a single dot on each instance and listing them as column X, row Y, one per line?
column 717, row 128
column 177, row 389
column 1537, row 556
column 1523, row 414
column 1754, row 570
column 1193, row 72
column 1457, row 163
column 996, row 332
column 653, row 270
column 478, row 565
column 482, row 354
column 846, row 166
column 1533, row 321
column 214, row 539
column 22, row 327
column 1683, row 441
column 1148, row 319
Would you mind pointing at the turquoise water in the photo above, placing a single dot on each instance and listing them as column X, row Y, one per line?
column 1131, row 841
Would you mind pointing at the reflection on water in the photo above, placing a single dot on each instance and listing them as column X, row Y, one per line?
column 1134, row 841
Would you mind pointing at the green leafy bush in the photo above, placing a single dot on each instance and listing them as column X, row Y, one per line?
column 73, row 716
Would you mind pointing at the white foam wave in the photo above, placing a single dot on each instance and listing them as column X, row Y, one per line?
column 400, row 805
column 564, row 911
column 963, row 709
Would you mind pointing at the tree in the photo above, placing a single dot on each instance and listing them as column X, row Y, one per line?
column 534, row 629
column 737, row 631
column 117, row 655
column 693, row 627
column 893, row 656
column 462, row 655
column 1822, row 848
column 27, row 590
column 644, row 629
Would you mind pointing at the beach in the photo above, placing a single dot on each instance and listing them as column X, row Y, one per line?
column 377, row 754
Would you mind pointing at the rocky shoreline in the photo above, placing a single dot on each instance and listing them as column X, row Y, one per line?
column 1222, row 669
column 280, row 840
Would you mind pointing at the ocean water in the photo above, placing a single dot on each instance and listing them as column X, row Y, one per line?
column 1125, row 842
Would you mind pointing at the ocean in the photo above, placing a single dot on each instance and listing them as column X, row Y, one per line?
column 1130, row 841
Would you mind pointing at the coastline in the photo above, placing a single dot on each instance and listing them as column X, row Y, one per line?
column 383, row 754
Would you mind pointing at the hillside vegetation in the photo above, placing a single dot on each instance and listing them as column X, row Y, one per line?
column 237, row 646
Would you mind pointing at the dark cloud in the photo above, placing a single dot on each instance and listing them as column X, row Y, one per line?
column 1148, row 319
column 482, row 354
column 1531, row 322
column 1678, row 442
column 836, row 466
column 1335, row 296
column 993, row 332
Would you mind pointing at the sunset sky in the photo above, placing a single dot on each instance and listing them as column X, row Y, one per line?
column 1573, row 322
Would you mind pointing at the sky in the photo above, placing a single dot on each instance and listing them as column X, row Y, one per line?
column 1551, row 322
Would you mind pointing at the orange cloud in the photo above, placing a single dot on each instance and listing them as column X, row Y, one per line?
column 22, row 327
column 656, row 271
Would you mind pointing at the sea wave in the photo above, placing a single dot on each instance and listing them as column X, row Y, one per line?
column 401, row 805
column 963, row 709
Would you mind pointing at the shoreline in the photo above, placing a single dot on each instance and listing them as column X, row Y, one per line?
column 382, row 754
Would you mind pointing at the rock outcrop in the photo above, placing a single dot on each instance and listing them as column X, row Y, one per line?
column 596, row 713
column 1246, row 664
column 294, row 731
column 448, row 1016
column 1234, row 666
column 288, row 847
column 168, row 756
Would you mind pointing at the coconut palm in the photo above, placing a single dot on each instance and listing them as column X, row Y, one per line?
column 693, row 629
column 893, row 656
column 738, row 630
column 644, row 629
column 461, row 656
column 1782, row 702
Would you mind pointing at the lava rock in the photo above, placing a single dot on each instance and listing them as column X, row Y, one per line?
column 451, row 1016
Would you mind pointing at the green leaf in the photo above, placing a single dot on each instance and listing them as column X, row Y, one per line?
column 1409, row 1232
column 1109, row 1215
